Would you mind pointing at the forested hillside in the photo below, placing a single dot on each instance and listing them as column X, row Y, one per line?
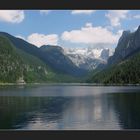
column 126, row 72
column 19, row 66
column 11, row 65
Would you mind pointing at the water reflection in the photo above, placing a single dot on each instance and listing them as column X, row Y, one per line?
column 127, row 106
column 57, row 113
column 90, row 113
column 94, row 109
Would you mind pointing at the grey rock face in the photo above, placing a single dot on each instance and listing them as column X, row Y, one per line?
column 105, row 54
column 128, row 44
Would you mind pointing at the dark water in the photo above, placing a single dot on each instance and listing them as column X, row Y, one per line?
column 72, row 107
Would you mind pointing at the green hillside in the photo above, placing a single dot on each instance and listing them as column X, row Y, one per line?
column 16, row 64
column 127, row 71
column 10, row 62
column 34, row 69
column 52, row 56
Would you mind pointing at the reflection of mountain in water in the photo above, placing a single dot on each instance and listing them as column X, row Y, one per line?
column 94, row 112
column 17, row 112
column 88, row 112
column 127, row 105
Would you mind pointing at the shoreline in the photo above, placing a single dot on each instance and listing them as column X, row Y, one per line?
column 67, row 84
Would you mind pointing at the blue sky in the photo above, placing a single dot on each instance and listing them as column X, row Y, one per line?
column 69, row 28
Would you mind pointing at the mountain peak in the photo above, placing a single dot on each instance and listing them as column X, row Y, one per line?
column 128, row 44
column 126, row 32
column 138, row 28
column 49, row 46
column 124, row 36
column 52, row 47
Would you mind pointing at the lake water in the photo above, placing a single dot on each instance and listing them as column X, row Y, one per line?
column 69, row 107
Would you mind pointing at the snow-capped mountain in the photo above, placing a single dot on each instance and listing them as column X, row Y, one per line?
column 90, row 57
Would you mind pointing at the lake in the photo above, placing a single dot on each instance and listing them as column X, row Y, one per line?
column 69, row 107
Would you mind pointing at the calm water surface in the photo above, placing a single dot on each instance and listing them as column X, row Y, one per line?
column 69, row 107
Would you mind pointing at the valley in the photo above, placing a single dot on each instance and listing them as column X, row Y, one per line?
column 26, row 63
column 69, row 69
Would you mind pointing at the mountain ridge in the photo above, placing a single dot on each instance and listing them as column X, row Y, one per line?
column 42, row 55
column 123, row 66
column 88, row 58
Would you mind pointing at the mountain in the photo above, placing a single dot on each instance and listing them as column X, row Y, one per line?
column 52, row 56
column 125, row 72
column 57, row 59
column 18, row 66
column 128, row 44
column 88, row 58
column 123, row 66
column 10, row 62
column 20, row 63
column 105, row 54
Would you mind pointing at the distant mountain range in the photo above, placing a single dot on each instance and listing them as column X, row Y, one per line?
column 90, row 57
column 124, row 66
column 56, row 58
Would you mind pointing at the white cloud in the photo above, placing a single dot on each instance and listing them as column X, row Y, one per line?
column 44, row 11
column 137, row 16
column 91, row 35
column 88, row 24
column 41, row 39
column 115, row 16
column 88, row 12
column 12, row 16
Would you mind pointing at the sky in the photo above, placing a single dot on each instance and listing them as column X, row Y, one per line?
column 69, row 28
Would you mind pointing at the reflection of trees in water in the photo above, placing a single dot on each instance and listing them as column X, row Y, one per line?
column 16, row 112
column 127, row 105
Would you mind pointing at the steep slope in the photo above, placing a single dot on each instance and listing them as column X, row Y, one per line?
column 105, row 54
column 125, row 72
column 10, row 62
column 19, row 66
column 35, row 70
column 123, row 66
column 47, row 56
column 128, row 44
column 59, row 61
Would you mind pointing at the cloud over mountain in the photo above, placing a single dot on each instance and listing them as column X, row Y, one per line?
column 42, row 39
column 91, row 35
